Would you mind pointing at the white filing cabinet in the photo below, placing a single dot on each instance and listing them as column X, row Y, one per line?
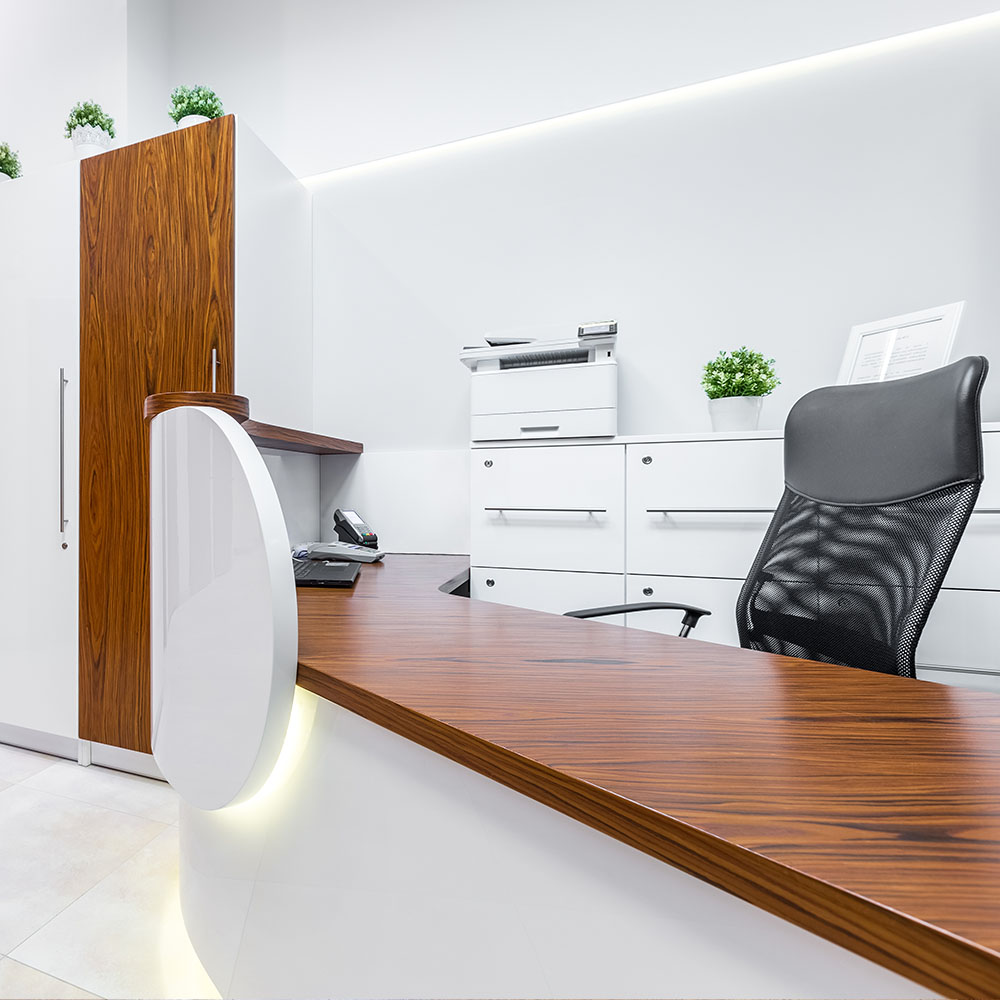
column 683, row 517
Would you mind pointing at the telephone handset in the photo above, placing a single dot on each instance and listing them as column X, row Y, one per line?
column 351, row 528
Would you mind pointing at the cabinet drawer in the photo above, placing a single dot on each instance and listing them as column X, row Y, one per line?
column 705, row 474
column 547, row 591
column 700, row 508
column 963, row 630
column 549, row 508
column 695, row 543
column 717, row 596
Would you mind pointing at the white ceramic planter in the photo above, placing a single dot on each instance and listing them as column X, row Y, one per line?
column 735, row 413
column 4, row 177
column 192, row 120
column 89, row 141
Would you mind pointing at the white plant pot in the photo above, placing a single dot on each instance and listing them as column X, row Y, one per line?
column 192, row 120
column 5, row 177
column 89, row 141
column 735, row 413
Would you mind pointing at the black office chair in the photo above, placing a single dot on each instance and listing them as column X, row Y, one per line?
column 880, row 480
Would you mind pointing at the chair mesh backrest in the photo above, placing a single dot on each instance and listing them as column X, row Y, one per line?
column 847, row 572
column 852, row 584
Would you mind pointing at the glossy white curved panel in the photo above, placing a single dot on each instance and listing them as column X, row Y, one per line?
column 223, row 616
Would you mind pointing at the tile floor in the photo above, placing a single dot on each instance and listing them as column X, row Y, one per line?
column 88, row 884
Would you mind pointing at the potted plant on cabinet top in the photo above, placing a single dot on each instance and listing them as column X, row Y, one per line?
column 10, row 163
column 736, row 383
column 192, row 105
column 90, row 128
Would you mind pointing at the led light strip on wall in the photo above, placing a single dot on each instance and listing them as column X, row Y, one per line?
column 692, row 91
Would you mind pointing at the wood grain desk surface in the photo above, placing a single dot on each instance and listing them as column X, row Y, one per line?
column 863, row 807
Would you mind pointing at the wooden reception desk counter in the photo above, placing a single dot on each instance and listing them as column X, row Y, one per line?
column 861, row 807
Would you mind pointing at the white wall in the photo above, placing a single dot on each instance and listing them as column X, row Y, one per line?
column 148, row 68
column 54, row 53
column 416, row 501
column 297, row 483
column 333, row 83
column 775, row 212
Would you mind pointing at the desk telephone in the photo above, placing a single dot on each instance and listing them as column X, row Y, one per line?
column 358, row 543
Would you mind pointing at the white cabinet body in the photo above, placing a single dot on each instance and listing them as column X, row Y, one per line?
column 692, row 516
column 273, row 315
column 39, row 289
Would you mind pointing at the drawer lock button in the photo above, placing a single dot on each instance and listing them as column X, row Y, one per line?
column 647, row 591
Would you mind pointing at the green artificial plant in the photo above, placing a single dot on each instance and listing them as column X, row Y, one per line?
column 196, row 100
column 88, row 113
column 739, row 373
column 10, row 162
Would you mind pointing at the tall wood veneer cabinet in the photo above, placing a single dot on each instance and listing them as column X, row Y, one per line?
column 194, row 276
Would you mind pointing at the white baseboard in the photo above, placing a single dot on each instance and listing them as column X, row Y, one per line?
column 33, row 739
column 124, row 760
column 78, row 750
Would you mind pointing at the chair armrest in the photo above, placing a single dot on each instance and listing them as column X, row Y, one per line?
column 688, row 622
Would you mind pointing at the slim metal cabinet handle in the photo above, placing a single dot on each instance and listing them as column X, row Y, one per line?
column 552, row 510
column 63, row 520
column 215, row 366
column 709, row 510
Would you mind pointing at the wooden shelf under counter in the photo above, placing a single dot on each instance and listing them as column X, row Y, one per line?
column 263, row 435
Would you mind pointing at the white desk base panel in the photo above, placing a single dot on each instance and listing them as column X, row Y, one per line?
column 371, row 867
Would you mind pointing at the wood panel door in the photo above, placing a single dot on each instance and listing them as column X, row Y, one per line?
column 156, row 297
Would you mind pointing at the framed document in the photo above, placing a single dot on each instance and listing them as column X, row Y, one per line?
column 900, row 346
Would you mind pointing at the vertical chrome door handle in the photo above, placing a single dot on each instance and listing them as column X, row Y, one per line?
column 63, row 520
column 215, row 366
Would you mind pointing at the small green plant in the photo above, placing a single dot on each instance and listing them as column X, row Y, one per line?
column 739, row 373
column 88, row 113
column 10, row 162
column 196, row 100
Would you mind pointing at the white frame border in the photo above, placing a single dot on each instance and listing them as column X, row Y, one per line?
column 949, row 315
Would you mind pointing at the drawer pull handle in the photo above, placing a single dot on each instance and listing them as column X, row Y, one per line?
column 540, row 429
column 489, row 583
column 647, row 459
column 709, row 510
column 488, row 463
column 986, row 510
column 552, row 510
column 647, row 591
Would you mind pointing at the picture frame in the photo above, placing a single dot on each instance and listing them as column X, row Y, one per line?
column 900, row 345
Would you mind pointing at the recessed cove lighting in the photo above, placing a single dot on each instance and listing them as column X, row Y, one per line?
column 687, row 92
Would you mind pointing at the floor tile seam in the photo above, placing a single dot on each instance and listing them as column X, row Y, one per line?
column 98, row 805
column 34, row 968
column 12, row 782
column 76, row 899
